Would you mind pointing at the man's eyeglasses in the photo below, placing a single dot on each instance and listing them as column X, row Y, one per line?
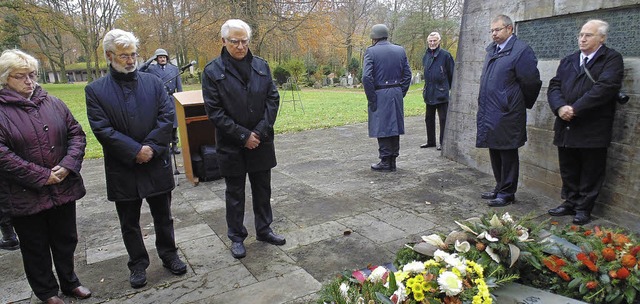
column 125, row 57
column 22, row 77
column 496, row 30
column 237, row 42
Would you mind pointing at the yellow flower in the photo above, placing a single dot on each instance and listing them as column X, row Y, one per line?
column 401, row 275
column 431, row 263
column 418, row 296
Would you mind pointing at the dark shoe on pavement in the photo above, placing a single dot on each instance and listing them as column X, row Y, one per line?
column 272, row 238
column 427, row 145
column 383, row 166
column 581, row 218
column 79, row 292
column 489, row 195
column 500, row 202
column 237, row 250
column 54, row 300
column 138, row 278
column 175, row 150
column 561, row 210
column 439, row 147
column 10, row 243
column 175, row 265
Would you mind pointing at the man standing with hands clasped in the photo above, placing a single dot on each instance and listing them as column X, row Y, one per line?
column 438, row 75
column 242, row 102
column 583, row 97
column 131, row 115
column 509, row 85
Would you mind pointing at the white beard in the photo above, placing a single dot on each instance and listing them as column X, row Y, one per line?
column 121, row 68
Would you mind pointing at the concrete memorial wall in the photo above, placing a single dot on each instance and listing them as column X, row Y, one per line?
column 550, row 27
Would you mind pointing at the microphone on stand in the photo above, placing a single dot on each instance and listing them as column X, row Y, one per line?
column 182, row 69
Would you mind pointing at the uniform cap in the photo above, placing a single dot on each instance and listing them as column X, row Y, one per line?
column 379, row 31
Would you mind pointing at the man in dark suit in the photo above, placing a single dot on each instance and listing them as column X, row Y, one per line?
column 242, row 102
column 583, row 97
column 509, row 85
column 386, row 78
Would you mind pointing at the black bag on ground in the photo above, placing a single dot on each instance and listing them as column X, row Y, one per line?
column 205, row 163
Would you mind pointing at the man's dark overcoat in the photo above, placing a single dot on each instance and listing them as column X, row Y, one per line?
column 123, row 120
column 438, row 75
column 170, row 76
column 510, row 83
column 237, row 109
column 593, row 104
column 386, row 77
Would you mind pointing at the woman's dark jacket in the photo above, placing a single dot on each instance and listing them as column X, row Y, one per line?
column 594, row 104
column 36, row 135
column 238, row 108
column 510, row 83
column 124, row 115
column 438, row 74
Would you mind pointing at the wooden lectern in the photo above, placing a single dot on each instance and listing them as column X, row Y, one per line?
column 194, row 127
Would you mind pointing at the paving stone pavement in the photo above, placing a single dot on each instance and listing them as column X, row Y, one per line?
column 334, row 211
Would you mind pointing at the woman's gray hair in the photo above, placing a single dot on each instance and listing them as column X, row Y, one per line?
column 117, row 37
column 15, row 59
column 234, row 24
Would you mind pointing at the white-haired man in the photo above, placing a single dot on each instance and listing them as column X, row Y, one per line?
column 242, row 101
column 582, row 95
column 136, row 151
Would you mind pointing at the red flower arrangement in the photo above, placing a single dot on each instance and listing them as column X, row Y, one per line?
column 607, row 269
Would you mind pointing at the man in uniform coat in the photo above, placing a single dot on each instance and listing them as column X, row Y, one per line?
column 510, row 84
column 386, row 78
column 585, row 108
column 170, row 76
column 131, row 115
column 438, row 74
column 242, row 102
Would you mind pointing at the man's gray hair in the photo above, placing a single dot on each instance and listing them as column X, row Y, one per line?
column 15, row 59
column 117, row 37
column 435, row 34
column 603, row 26
column 506, row 21
column 234, row 24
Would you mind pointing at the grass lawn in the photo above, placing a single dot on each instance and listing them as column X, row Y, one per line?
column 323, row 108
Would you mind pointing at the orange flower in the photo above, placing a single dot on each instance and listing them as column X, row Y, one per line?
column 593, row 256
column 564, row 275
column 586, row 262
column 613, row 274
column 621, row 239
column 607, row 239
column 554, row 223
column 597, row 231
column 588, row 233
column 608, row 254
column 622, row 273
column 592, row 284
column 635, row 250
column 628, row 261
column 573, row 228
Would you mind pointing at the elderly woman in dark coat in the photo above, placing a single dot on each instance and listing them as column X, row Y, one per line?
column 41, row 152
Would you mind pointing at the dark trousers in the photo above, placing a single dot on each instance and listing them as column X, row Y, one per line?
column 430, row 121
column 506, row 167
column 582, row 171
column 235, row 201
column 389, row 146
column 129, row 215
column 47, row 234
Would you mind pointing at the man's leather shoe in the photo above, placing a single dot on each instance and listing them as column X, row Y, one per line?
column 54, row 300
column 581, row 218
column 439, row 147
column 79, row 292
column 175, row 265
column 272, row 238
column 488, row 195
column 561, row 210
column 500, row 202
column 237, row 250
column 383, row 166
column 427, row 145
column 138, row 278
